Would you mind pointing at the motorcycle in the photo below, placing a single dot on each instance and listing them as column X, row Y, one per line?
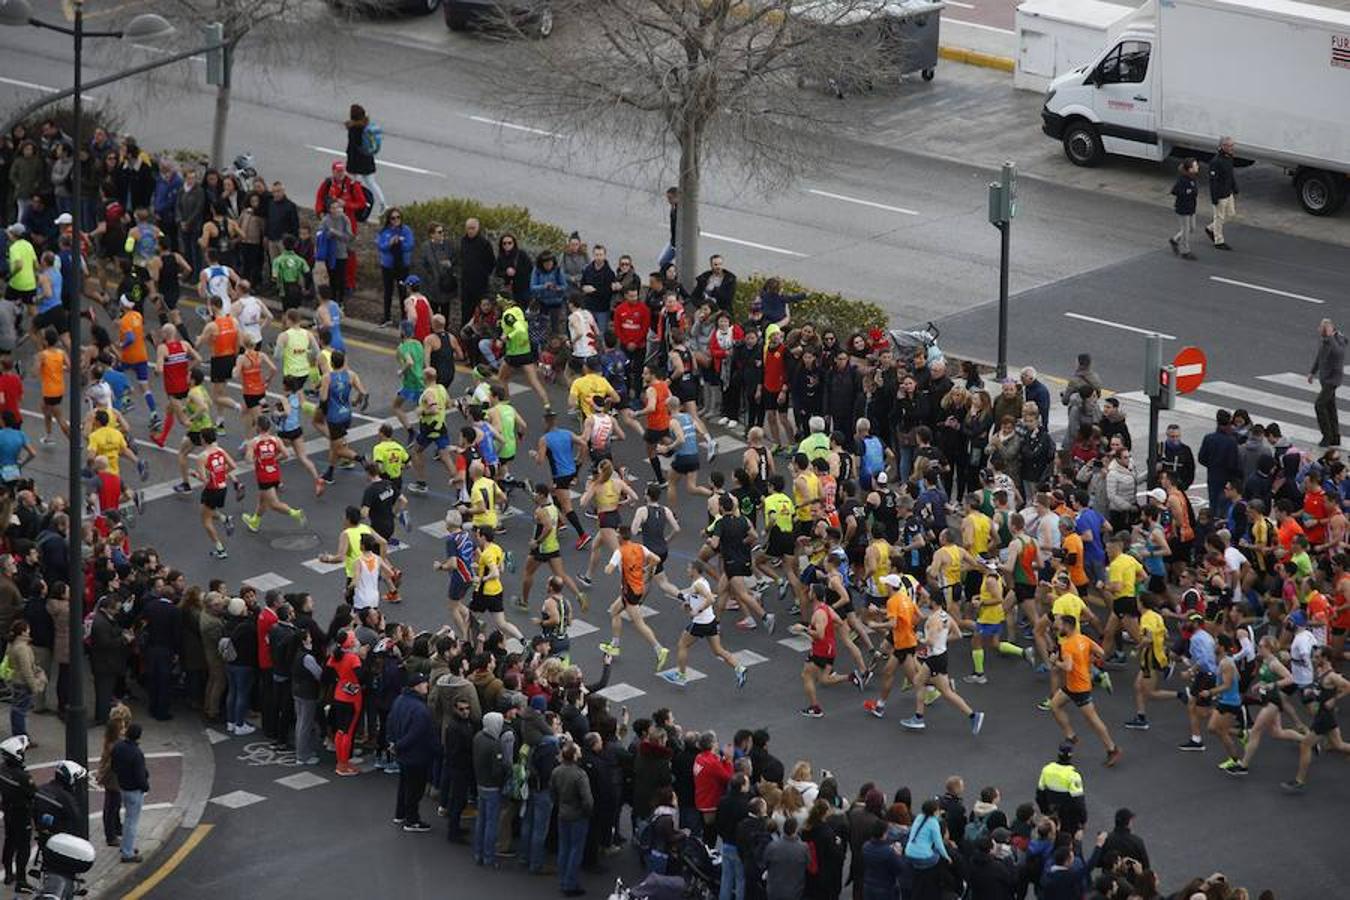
column 242, row 170
column 65, row 858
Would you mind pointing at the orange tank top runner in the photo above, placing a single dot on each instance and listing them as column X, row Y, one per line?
column 226, row 341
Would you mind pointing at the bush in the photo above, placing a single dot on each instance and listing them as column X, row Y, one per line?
column 824, row 310
column 451, row 212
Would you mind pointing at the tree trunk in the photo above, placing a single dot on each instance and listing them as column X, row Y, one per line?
column 687, row 230
column 219, row 125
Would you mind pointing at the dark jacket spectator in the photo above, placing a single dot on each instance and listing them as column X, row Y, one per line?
column 1219, row 456
column 991, row 877
column 764, row 766
column 283, row 218
column 108, row 649
column 1222, row 178
column 490, row 766
column 1124, row 841
column 882, row 864
column 721, row 295
column 128, row 763
column 410, row 730
column 785, row 863
column 601, row 278
column 476, row 260
column 651, row 771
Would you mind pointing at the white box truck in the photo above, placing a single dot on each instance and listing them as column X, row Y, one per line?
column 1180, row 74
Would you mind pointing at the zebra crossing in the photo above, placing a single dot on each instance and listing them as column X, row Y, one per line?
column 1283, row 397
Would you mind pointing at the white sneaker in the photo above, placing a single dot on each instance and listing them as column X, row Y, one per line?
column 229, row 728
column 243, row 730
column 722, row 420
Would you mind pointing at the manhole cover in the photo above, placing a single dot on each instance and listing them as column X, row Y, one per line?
column 296, row 542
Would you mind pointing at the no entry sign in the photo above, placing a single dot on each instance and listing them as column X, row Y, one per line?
column 1190, row 364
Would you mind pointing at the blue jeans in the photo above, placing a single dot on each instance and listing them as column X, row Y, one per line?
column 534, row 828
column 132, row 802
column 667, row 257
column 21, row 701
column 237, row 701
column 485, row 825
column 601, row 326
column 571, row 847
column 733, row 873
column 906, row 464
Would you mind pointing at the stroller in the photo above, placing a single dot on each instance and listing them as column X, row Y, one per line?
column 908, row 343
column 701, row 867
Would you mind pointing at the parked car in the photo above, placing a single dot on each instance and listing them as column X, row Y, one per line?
column 532, row 17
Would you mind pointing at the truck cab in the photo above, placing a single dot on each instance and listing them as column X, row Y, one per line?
column 1108, row 106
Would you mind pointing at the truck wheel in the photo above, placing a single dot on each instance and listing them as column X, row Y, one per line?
column 1321, row 193
column 1082, row 144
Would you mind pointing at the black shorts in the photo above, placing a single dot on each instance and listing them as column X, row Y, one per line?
column 1157, row 585
column 1148, row 664
column 685, row 463
column 781, row 544
column 252, row 401
column 663, row 556
column 1202, row 681
column 610, row 518
column 596, row 455
column 338, row 430
column 52, row 318
column 486, row 603
column 820, row 662
column 53, row 401
column 521, row 359
column 1229, row 709
column 268, row 485
column 563, row 482
column 903, row 653
column 971, row 582
column 953, row 593
column 937, row 665
column 770, row 400
column 1079, row 698
column 177, row 395
column 1024, row 592
column 1324, row 721
column 703, row 629
column 629, row 597
column 1125, row 606
column 195, row 439
column 685, row 391
column 222, row 368
column 545, row 555
column 290, row 434
column 735, row 569
column 653, row 436
column 213, row 498
column 293, row 383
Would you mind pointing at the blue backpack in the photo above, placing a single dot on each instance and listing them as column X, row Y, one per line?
column 372, row 139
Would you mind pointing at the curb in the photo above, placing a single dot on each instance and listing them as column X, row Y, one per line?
column 194, row 789
column 976, row 58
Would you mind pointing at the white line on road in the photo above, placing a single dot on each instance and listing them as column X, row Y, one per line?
column 162, row 52
column 871, row 203
column 732, row 240
column 1120, row 325
column 46, row 89
column 1185, row 405
column 383, row 162
column 1295, row 381
column 484, row 120
column 1238, row 392
column 958, row 3
column 1266, row 290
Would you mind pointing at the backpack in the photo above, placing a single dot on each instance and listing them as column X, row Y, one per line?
column 6, row 669
column 372, row 139
column 976, row 828
column 225, row 647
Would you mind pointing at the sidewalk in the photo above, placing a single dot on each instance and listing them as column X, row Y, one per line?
column 182, row 768
column 974, row 116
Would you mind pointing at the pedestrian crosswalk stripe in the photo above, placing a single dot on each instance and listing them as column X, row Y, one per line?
column 621, row 692
column 237, row 799
column 1186, row 406
column 434, row 529
column 267, row 581
column 690, row 674
column 580, row 628
column 749, row 658
column 1277, row 402
column 318, row 565
column 800, row 643
column 1299, row 383
column 301, row 781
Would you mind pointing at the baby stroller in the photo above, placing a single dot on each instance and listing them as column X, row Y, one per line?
column 701, row 867
column 909, row 342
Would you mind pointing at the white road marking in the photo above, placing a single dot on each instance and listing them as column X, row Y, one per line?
column 1297, row 382
column 1286, row 405
column 1266, row 290
column 383, row 162
column 512, row 126
column 860, row 202
column 732, row 240
column 46, row 89
column 1122, row 326
column 958, row 3
column 197, row 59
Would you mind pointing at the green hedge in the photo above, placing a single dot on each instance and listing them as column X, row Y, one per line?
column 824, row 310
column 451, row 212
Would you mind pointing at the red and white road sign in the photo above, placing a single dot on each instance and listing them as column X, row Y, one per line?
column 1191, row 365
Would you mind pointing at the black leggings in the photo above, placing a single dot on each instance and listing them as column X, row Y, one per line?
column 18, row 845
column 337, row 281
column 393, row 278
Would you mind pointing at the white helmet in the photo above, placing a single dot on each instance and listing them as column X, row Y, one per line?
column 14, row 748
column 70, row 773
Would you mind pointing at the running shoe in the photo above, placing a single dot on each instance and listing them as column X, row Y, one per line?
column 238, row 492
column 1192, row 746
column 675, row 677
column 782, row 590
column 875, row 707
column 769, row 621
column 251, row 521
column 1029, row 654
column 418, row 487
column 1228, row 764
column 609, row 649
column 138, row 501
column 742, row 675
column 1237, row 768
column 867, row 677
column 1106, row 684
column 229, row 526
column 931, row 695
column 220, row 553
column 519, row 602
column 1138, row 723
column 813, row 712
column 976, row 722
column 585, row 579
column 712, row 449
column 328, row 476
column 1184, row 695
column 1044, row 705
column 795, row 609
column 143, row 469
column 156, row 421
column 510, row 562
column 856, row 680
column 1042, row 669
column 975, row 678
column 182, row 487
column 299, row 516
column 914, row 723
column 417, row 827
column 747, row 624
column 585, row 600
column 1293, row 787
column 583, row 542
column 662, row 653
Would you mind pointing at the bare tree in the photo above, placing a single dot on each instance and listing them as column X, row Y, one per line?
column 714, row 80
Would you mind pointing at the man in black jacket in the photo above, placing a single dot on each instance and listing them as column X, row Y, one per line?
column 731, row 810
column 133, row 780
column 597, row 284
column 764, row 765
column 992, row 874
column 283, row 218
column 752, row 836
column 477, row 260
column 1176, row 457
column 1223, row 191
column 107, row 655
column 843, row 392
column 164, row 635
column 282, row 639
column 717, row 285
column 457, row 772
column 1124, row 841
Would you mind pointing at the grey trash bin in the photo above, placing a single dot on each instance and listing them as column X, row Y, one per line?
column 904, row 32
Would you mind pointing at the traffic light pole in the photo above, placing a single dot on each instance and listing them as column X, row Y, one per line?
column 1154, row 407
column 1005, row 236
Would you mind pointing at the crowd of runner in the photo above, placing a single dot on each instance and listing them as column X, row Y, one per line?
column 892, row 511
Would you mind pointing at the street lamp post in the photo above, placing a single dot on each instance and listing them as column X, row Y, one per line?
column 144, row 27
